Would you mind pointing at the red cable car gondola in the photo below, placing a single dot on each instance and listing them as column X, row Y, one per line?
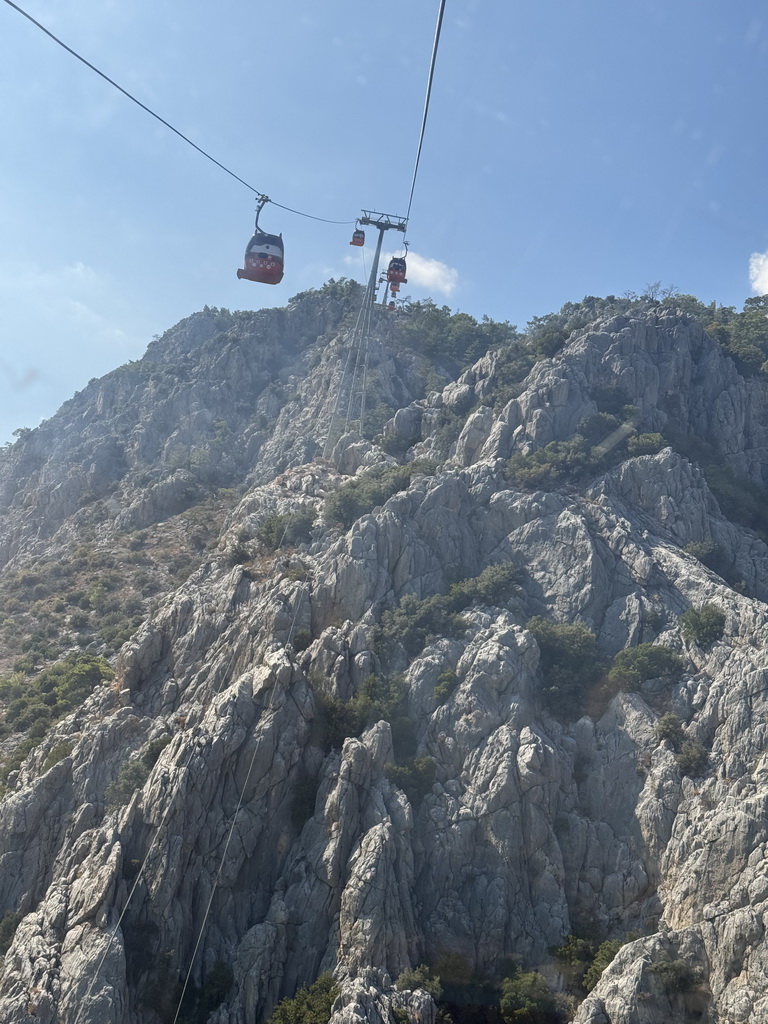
column 358, row 237
column 264, row 255
column 396, row 270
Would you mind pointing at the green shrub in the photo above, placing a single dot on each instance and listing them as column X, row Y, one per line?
column 709, row 554
column 289, row 529
column 703, row 625
column 153, row 751
column 551, row 465
column 670, row 728
column 15, row 760
column 611, row 398
column 420, row 977
column 454, row 340
column 378, row 697
column 363, row 493
column 575, row 955
column 218, row 981
column 493, row 586
column 414, row 621
column 634, row 665
column 58, row 753
column 8, row 925
column 605, row 954
column 238, row 554
column 645, row 444
column 415, row 778
column 692, row 758
column 740, row 499
column 526, row 999
column 470, row 994
column 132, row 776
column 569, row 665
column 595, row 429
column 676, row 975
column 53, row 693
column 302, row 640
column 311, row 1005
column 446, row 684
column 513, row 364
column 338, row 719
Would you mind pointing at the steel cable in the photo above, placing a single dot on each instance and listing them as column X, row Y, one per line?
column 162, row 120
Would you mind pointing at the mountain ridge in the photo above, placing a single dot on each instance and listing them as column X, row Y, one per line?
column 256, row 775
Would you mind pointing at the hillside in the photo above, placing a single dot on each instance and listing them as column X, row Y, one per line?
column 475, row 693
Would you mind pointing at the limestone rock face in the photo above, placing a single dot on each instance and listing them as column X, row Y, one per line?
column 334, row 788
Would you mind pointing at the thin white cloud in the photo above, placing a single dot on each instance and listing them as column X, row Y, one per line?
column 423, row 272
column 430, row 274
column 758, row 272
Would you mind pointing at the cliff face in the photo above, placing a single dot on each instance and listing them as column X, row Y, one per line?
column 269, row 831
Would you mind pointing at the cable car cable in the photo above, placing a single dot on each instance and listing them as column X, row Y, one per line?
column 310, row 215
column 230, row 833
column 139, row 878
column 162, row 119
column 426, row 103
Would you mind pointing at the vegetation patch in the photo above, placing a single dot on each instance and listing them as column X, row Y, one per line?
column 8, row 925
column 57, row 754
column 310, row 1005
column 53, row 693
column 513, row 364
column 692, row 759
column 34, row 705
column 691, row 756
column 453, row 340
column 525, row 999
column 670, row 728
column 605, row 953
column 550, row 466
column 287, row 530
column 377, row 698
column 415, row 778
column 420, row 977
column 645, row 444
column 601, row 441
column 414, row 621
column 569, row 665
column 446, row 683
column 131, row 776
column 153, row 750
column 634, row 665
column 676, row 974
column 703, row 625
column 363, row 493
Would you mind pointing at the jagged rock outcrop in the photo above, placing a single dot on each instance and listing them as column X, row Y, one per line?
column 263, row 839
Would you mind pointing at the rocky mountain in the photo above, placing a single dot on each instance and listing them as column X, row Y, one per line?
column 475, row 694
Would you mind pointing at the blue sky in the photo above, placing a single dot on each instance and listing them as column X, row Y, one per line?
column 574, row 147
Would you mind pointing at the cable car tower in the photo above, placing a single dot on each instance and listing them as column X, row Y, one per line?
column 384, row 222
column 351, row 393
